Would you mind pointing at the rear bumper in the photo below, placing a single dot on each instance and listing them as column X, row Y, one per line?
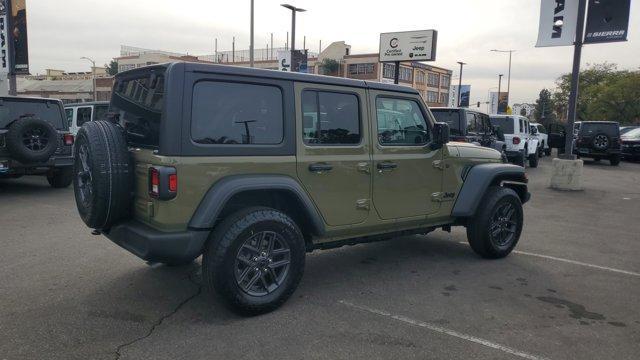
column 593, row 153
column 14, row 167
column 513, row 154
column 154, row 245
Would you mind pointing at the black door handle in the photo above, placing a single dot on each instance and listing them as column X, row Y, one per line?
column 387, row 165
column 320, row 167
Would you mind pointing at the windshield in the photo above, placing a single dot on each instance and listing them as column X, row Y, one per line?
column 505, row 123
column 633, row 134
column 13, row 109
column 449, row 116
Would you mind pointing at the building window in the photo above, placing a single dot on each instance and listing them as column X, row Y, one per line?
column 406, row 74
column 361, row 69
column 420, row 77
column 446, row 81
column 126, row 67
column 432, row 96
column 388, row 71
column 311, row 69
column 434, row 80
column 444, row 98
column 330, row 118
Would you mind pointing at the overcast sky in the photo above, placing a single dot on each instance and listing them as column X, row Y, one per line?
column 60, row 32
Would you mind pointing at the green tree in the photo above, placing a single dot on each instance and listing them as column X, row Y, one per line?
column 617, row 99
column 112, row 68
column 330, row 66
column 545, row 110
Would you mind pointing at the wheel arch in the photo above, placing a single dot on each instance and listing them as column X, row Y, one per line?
column 483, row 176
column 280, row 192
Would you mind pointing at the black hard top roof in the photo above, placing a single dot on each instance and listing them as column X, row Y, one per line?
column 279, row 75
column 88, row 103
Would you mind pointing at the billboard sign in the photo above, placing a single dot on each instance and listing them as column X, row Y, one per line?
column 4, row 42
column 558, row 20
column 465, row 95
column 498, row 104
column 607, row 21
column 408, row 46
column 284, row 60
column 17, row 35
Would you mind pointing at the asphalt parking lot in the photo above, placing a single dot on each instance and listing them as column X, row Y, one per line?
column 571, row 291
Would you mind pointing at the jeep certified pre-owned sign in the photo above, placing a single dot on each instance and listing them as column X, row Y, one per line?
column 408, row 46
column 607, row 21
column 558, row 20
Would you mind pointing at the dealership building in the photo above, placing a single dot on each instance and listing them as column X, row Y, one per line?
column 432, row 82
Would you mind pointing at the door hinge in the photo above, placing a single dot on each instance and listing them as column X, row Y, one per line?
column 440, row 164
column 362, row 204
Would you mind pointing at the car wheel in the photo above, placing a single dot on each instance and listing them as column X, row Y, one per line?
column 496, row 227
column 533, row 160
column 520, row 159
column 601, row 142
column 61, row 178
column 614, row 160
column 254, row 260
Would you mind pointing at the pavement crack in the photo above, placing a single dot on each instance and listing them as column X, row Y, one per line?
column 159, row 322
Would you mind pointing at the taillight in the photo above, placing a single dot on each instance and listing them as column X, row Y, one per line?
column 163, row 182
column 68, row 139
column 516, row 140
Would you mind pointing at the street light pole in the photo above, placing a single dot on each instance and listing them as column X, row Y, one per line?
column 499, row 86
column 294, row 10
column 251, row 44
column 460, row 82
column 93, row 76
column 510, row 51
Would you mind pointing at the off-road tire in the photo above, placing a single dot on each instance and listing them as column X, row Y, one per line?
column 614, row 160
column 16, row 140
column 61, row 177
column 108, row 176
column 479, row 225
column 601, row 142
column 533, row 160
column 223, row 246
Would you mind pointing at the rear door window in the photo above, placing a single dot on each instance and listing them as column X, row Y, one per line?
column 83, row 115
column 236, row 113
column 330, row 118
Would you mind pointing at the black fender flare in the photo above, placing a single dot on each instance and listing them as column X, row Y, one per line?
column 477, row 181
column 219, row 194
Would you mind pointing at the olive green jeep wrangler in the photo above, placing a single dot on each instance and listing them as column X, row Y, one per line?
column 254, row 168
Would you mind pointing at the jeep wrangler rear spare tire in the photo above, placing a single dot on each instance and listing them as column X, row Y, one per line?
column 601, row 142
column 254, row 259
column 103, row 176
column 496, row 227
column 32, row 140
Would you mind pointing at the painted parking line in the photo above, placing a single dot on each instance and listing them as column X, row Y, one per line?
column 444, row 331
column 569, row 261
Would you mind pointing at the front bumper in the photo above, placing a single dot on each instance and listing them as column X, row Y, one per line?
column 631, row 151
column 154, row 245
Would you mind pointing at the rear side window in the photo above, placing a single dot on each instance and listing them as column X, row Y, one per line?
column 449, row 116
column 69, row 114
column 330, row 118
column 235, row 113
column 505, row 124
column 13, row 109
column 138, row 101
column 83, row 115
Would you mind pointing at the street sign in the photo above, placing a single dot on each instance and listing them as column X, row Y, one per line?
column 284, row 60
column 408, row 46
column 607, row 21
column 558, row 20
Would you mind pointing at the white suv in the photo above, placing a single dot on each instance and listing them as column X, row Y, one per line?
column 520, row 144
column 540, row 133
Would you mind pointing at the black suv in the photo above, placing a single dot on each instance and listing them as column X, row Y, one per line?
column 599, row 140
column 470, row 126
column 35, row 140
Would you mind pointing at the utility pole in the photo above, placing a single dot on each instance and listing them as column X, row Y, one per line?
column 499, row 86
column 294, row 10
column 233, row 50
column 320, row 48
column 271, row 54
column 93, row 76
column 251, row 44
column 575, row 77
column 460, row 82
column 510, row 51
column 215, row 50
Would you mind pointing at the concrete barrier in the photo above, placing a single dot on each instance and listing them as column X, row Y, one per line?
column 567, row 175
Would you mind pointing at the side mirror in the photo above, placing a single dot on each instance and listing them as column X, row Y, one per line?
column 440, row 135
column 534, row 131
column 499, row 133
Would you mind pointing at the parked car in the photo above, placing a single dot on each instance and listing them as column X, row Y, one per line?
column 540, row 133
column 599, row 140
column 631, row 144
column 521, row 145
column 470, row 126
column 35, row 140
column 626, row 129
column 264, row 166
column 80, row 113
column 557, row 134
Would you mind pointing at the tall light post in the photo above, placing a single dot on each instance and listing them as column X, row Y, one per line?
column 460, row 81
column 93, row 76
column 251, row 38
column 499, row 87
column 294, row 10
column 510, row 51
